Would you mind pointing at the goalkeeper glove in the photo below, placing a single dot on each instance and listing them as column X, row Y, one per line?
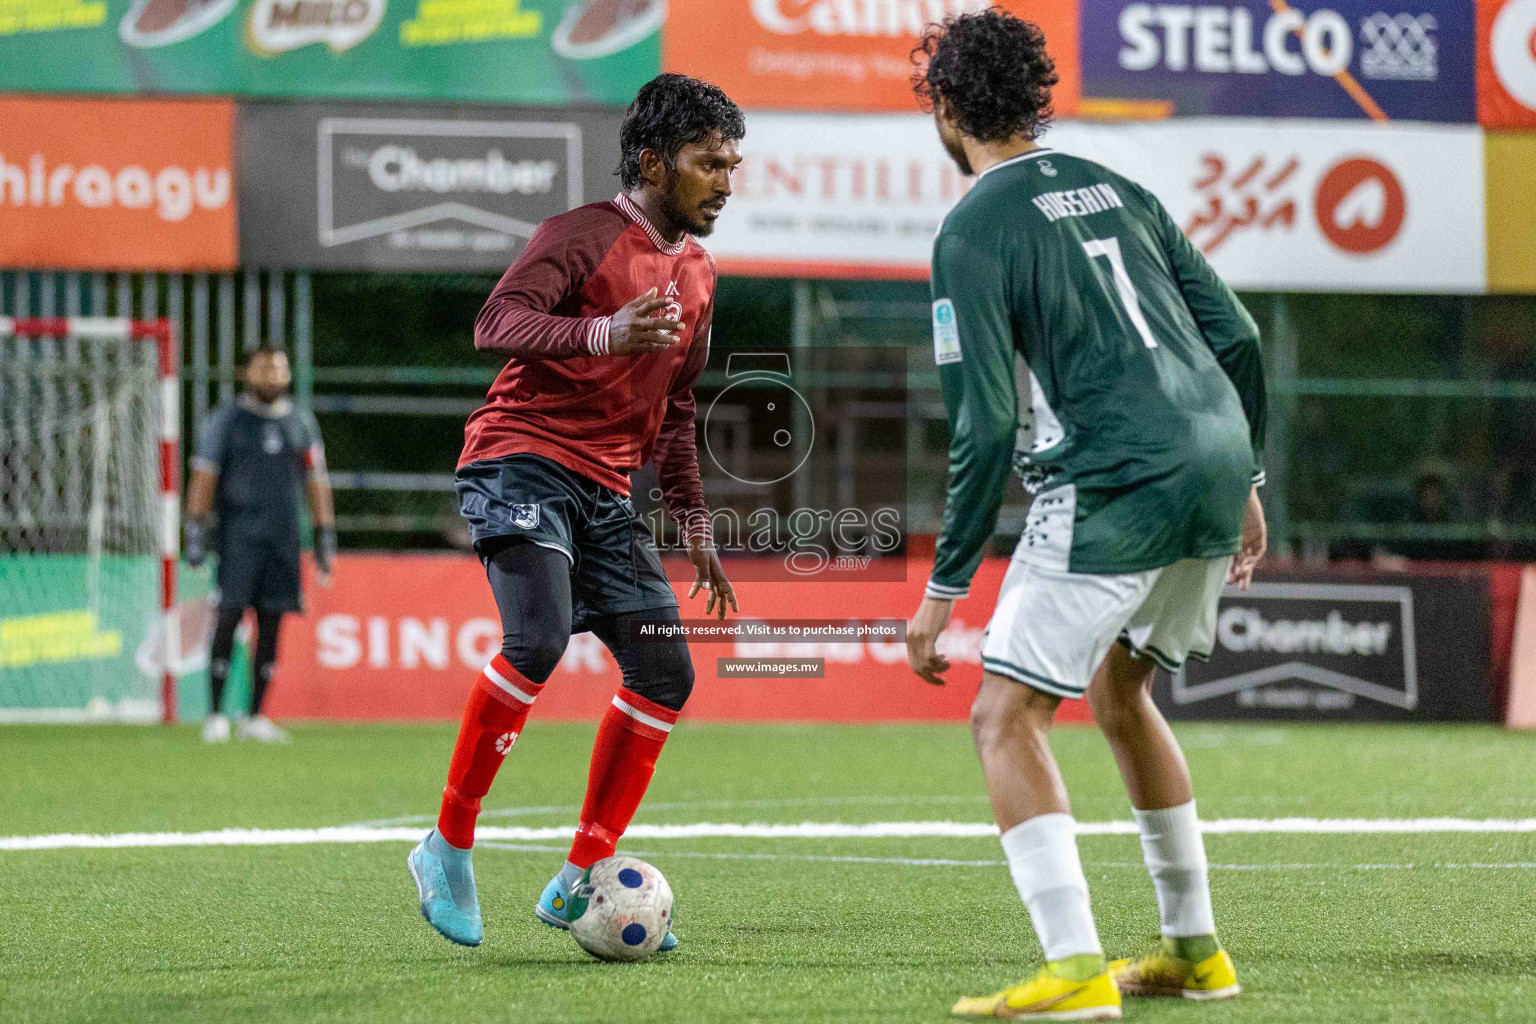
column 325, row 546
column 196, row 537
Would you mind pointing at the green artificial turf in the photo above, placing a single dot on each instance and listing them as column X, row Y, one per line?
column 1359, row 928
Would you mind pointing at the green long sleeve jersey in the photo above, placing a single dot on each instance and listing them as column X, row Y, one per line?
column 1083, row 341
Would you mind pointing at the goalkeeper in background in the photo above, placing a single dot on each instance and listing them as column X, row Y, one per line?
column 254, row 455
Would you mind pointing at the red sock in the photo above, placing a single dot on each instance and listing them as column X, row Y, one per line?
column 493, row 716
column 623, row 760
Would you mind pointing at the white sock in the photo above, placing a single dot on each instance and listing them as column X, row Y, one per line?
column 1042, row 857
column 1172, row 846
column 571, row 874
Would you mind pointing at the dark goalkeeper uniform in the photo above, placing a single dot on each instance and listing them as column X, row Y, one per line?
column 262, row 455
column 1085, row 343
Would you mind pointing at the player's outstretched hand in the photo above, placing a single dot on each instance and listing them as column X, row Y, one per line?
column 633, row 331
column 1254, row 542
column 923, row 638
column 709, row 576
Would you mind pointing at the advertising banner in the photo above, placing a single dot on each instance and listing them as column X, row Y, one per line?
column 1393, row 648
column 363, row 187
column 1300, row 205
column 117, row 184
column 1511, row 212
column 504, row 51
column 400, row 637
column 1506, row 63
column 836, row 54
column 1337, row 58
column 836, row 195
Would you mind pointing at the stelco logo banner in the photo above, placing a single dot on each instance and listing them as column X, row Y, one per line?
column 836, row 54
column 1506, row 63
column 1397, row 648
column 117, row 184
column 412, row 188
column 1344, row 58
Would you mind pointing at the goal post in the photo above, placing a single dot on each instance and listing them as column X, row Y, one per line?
column 90, row 518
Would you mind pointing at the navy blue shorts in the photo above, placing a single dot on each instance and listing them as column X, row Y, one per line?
column 259, row 574
column 615, row 567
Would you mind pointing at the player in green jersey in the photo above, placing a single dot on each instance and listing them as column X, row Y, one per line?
column 1083, row 341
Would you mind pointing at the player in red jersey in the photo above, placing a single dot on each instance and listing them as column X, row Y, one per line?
column 605, row 320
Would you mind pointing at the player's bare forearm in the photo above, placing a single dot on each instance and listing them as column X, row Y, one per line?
column 200, row 491
column 322, row 508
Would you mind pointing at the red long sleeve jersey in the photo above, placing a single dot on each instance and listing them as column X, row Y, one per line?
column 561, row 395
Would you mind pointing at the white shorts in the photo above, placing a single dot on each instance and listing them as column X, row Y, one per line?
column 1051, row 630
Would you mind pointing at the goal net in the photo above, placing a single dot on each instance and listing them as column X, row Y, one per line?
column 84, row 499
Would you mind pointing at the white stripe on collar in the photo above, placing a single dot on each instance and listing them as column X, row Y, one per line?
column 634, row 213
column 1041, row 151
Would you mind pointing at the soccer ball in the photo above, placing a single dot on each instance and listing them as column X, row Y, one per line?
column 621, row 909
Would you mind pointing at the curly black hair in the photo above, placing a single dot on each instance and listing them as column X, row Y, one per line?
column 991, row 72
column 669, row 112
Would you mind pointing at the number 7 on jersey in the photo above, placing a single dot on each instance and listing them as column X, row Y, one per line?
column 1110, row 249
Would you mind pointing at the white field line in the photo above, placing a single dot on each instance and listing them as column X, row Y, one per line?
column 729, row 830
column 943, row 862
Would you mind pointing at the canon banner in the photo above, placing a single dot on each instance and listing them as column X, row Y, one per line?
column 836, row 54
column 350, row 187
column 404, row 636
column 1389, row 648
column 507, row 51
column 117, row 184
column 1506, row 63
column 1338, row 58
column 1276, row 205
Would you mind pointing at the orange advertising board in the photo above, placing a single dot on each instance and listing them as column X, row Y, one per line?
column 1506, row 63
column 852, row 55
column 117, row 184
column 404, row 636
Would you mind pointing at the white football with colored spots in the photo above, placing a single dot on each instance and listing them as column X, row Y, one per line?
column 621, row 909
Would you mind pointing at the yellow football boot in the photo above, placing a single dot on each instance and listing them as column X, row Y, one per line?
column 1048, row 997
column 1160, row 973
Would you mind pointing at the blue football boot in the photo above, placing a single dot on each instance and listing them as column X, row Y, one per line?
column 445, row 881
column 555, row 903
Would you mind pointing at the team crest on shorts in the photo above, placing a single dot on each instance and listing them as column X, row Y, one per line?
column 525, row 517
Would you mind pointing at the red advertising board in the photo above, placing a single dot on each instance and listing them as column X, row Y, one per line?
column 402, row 637
column 1506, row 63
column 850, row 55
column 117, row 184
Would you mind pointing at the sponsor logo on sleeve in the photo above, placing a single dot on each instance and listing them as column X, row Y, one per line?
column 946, row 333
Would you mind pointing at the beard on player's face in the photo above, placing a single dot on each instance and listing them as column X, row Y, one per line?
column 949, row 135
column 684, row 210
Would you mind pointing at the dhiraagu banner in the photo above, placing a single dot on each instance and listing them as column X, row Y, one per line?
column 513, row 51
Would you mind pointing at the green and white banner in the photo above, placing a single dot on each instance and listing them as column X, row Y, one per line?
column 501, row 51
